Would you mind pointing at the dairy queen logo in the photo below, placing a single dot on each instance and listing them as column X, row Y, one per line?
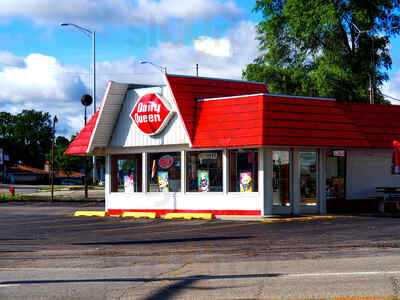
column 151, row 114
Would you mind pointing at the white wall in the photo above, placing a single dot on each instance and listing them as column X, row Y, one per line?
column 126, row 134
column 366, row 170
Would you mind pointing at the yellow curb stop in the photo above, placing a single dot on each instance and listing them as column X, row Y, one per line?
column 139, row 214
column 189, row 216
column 297, row 219
column 89, row 213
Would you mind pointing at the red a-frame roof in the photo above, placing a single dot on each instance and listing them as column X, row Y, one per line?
column 80, row 144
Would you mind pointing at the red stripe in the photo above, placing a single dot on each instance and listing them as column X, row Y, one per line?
column 117, row 212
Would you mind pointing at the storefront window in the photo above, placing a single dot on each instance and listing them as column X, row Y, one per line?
column 164, row 172
column 281, row 178
column 126, row 173
column 243, row 170
column 308, row 177
column 204, row 171
column 335, row 174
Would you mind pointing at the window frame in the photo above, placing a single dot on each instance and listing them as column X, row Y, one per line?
column 114, row 169
column 228, row 182
column 186, row 153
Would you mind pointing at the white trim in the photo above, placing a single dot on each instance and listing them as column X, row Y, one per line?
column 264, row 94
column 229, row 97
column 103, row 102
column 166, row 120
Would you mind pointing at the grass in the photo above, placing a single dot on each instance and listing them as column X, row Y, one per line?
column 9, row 197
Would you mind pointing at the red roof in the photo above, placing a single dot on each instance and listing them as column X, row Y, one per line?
column 267, row 120
column 221, row 113
column 80, row 144
column 187, row 90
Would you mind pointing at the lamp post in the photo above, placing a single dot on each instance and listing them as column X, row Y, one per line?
column 55, row 120
column 161, row 68
column 92, row 35
column 86, row 100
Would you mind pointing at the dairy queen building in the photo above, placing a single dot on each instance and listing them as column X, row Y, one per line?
column 230, row 147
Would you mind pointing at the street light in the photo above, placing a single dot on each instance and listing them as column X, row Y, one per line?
column 162, row 69
column 92, row 35
column 86, row 101
column 55, row 120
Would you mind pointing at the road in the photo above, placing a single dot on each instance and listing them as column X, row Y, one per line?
column 47, row 254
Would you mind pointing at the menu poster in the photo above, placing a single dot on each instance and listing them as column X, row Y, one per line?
column 203, row 181
column 129, row 184
column 246, row 182
column 162, row 179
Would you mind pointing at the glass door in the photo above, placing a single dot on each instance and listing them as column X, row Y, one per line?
column 308, row 181
column 281, row 182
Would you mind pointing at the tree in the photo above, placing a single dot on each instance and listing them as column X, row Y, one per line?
column 325, row 48
column 63, row 162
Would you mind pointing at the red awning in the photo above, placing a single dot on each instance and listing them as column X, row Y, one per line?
column 79, row 146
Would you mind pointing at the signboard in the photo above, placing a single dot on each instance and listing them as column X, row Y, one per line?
column 151, row 114
column 396, row 158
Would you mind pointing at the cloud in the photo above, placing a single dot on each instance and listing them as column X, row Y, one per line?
column 392, row 88
column 116, row 12
column 224, row 57
column 41, row 82
column 215, row 47
column 9, row 59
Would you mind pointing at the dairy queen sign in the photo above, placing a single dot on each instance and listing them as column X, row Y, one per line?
column 151, row 114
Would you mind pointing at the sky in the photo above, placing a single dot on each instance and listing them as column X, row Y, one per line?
column 45, row 66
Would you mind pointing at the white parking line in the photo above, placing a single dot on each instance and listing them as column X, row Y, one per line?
column 371, row 273
column 8, row 285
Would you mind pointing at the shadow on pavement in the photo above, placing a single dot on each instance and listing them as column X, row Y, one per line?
column 166, row 241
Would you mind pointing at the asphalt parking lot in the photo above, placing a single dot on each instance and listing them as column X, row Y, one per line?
column 45, row 253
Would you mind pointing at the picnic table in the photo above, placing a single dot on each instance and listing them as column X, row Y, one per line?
column 390, row 195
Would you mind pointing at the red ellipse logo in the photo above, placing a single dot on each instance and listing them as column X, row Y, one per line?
column 151, row 114
column 166, row 162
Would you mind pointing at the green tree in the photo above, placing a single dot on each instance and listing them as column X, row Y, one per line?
column 325, row 48
column 63, row 162
column 32, row 134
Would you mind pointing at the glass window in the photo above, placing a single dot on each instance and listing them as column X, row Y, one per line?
column 308, row 177
column 281, row 178
column 164, row 172
column 335, row 174
column 243, row 170
column 204, row 171
column 126, row 173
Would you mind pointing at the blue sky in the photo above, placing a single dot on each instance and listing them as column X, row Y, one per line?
column 45, row 66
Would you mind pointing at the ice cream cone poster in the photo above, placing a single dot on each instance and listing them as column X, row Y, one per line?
column 246, row 182
column 162, row 178
column 129, row 184
column 203, row 181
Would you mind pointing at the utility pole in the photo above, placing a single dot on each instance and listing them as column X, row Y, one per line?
column 55, row 120
column 197, row 70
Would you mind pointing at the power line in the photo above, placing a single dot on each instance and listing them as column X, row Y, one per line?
column 391, row 97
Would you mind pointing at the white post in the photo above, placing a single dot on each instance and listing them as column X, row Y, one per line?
column 225, row 171
column 265, row 166
column 183, row 171
column 107, row 181
column 144, row 172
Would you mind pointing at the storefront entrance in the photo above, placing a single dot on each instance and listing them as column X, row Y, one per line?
column 295, row 181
